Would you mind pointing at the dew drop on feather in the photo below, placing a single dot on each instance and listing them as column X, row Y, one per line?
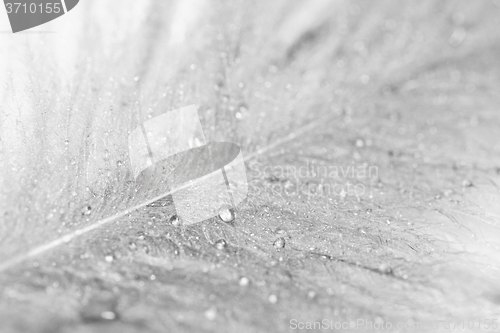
column 175, row 220
column 384, row 268
column 273, row 299
column 280, row 231
column 226, row 213
column 108, row 315
column 87, row 210
column 466, row 183
column 211, row 314
column 221, row 244
column 244, row 281
column 279, row 243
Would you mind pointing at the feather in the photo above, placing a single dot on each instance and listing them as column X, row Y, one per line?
column 368, row 133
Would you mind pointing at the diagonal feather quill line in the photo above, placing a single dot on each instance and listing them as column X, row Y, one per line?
column 41, row 249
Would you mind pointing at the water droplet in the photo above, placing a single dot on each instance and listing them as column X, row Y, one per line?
column 384, row 268
column 279, row 243
column 175, row 221
column 108, row 258
column 243, row 107
column 244, row 281
column 98, row 310
column 87, row 210
column 360, row 143
column 466, row 183
column 273, row 299
column 226, row 213
column 311, row 294
column 211, row 314
column 108, row 315
column 221, row 244
column 280, row 231
column 153, row 232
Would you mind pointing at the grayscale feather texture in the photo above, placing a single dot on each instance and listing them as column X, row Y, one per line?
column 410, row 87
